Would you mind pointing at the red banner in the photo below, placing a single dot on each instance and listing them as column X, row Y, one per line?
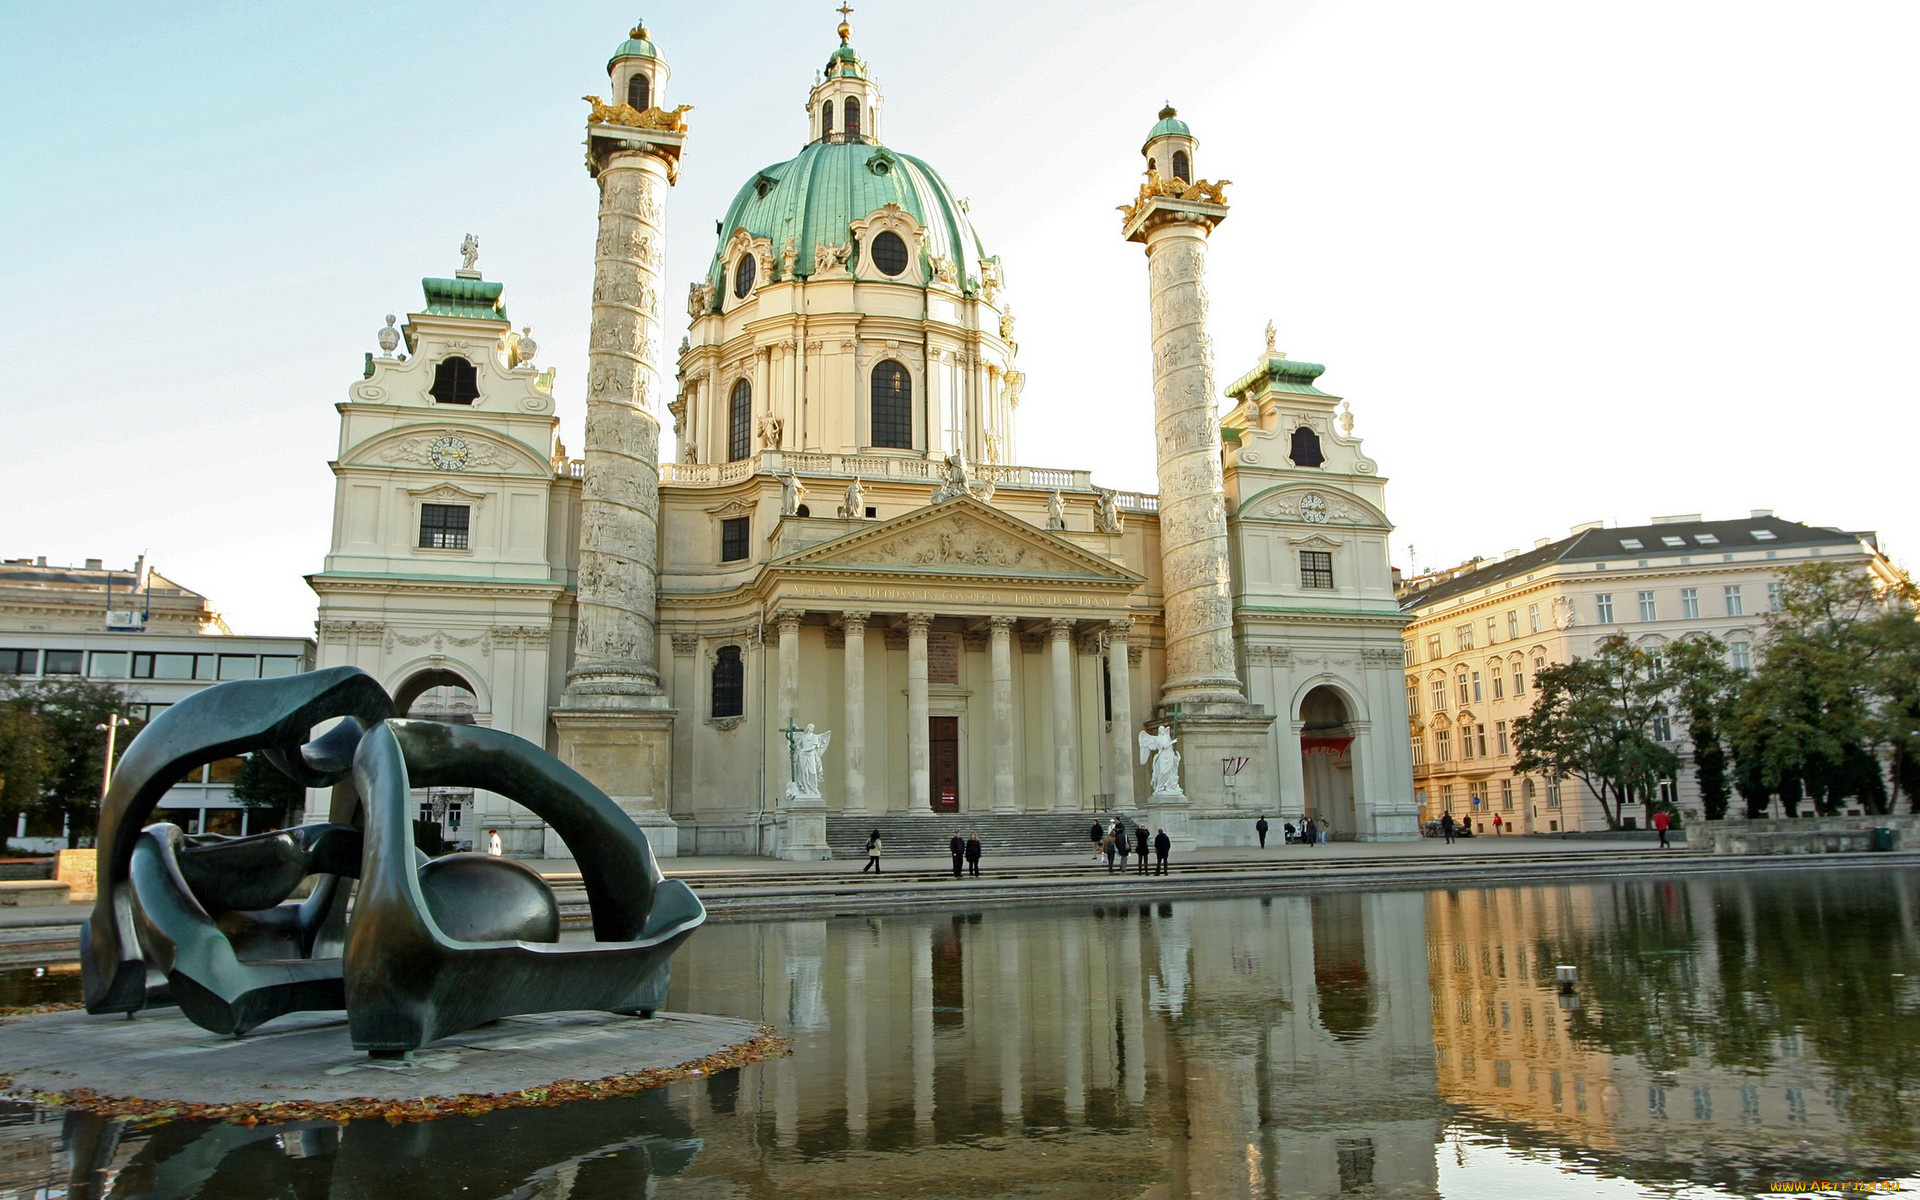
column 1323, row 744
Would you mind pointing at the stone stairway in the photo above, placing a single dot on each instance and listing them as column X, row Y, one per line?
column 925, row 835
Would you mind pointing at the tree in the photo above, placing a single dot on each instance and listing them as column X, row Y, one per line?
column 1701, row 687
column 264, row 788
column 25, row 763
column 1835, row 696
column 54, row 753
column 1593, row 719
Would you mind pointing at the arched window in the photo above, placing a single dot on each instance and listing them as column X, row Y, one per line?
column 455, row 382
column 640, row 92
column 740, row 421
column 1153, row 164
column 743, row 275
column 850, row 123
column 729, row 683
column 1305, row 451
column 826, row 120
column 1180, row 169
column 892, row 406
column 889, row 253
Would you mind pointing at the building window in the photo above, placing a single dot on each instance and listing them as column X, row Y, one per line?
column 1413, row 695
column 740, row 421
column 1305, row 448
column 1553, row 793
column 1690, row 603
column 733, row 539
column 826, row 119
column 1476, row 798
column 1740, row 655
column 1603, row 605
column 1440, row 694
column 1519, row 680
column 640, row 92
column 1500, row 736
column 1316, row 569
column 1460, row 686
column 1476, row 687
column 892, row 406
column 443, row 526
column 1446, row 798
column 108, row 664
column 278, row 666
column 1499, row 682
column 1506, row 795
column 1418, row 745
column 455, row 382
column 1491, row 639
column 1463, row 638
column 1773, row 597
column 729, row 683
column 850, row 122
column 239, row 666
column 1180, row 169
column 1513, row 624
column 744, row 273
column 64, row 662
column 1539, row 665
column 889, row 253
column 1526, row 790
column 1406, row 654
column 1533, row 617
column 1433, row 646
column 1646, row 606
column 19, row 662
column 1443, row 745
column 1480, row 739
column 1734, row 608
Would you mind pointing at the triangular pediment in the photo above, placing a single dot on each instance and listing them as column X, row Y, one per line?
column 959, row 537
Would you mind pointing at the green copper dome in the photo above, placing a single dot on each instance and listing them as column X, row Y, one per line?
column 1169, row 124
column 815, row 197
column 637, row 45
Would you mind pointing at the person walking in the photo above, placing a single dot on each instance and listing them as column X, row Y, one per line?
column 1140, row 844
column 1326, row 832
column 1661, row 821
column 1106, row 851
column 873, row 853
column 973, row 854
column 1309, row 835
column 957, row 847
column 1161, row 844
column 1446, row 827
column 1097, row 831
column 493, row 843
column 1260, row 827
column 1499, row 829
column 1122, row 843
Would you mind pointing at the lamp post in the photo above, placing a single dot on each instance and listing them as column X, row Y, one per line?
column 110, row 728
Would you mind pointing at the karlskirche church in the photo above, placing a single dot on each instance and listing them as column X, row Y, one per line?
column 847, row 559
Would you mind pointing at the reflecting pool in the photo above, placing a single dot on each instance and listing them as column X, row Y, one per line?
column 1726, row 1033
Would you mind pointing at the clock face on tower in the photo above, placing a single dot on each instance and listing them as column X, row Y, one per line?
column 448, row 453
column 1313, row 508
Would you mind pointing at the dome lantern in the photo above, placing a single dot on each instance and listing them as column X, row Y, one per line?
column 1170, row 148
column 844, row 105
column 638, row 71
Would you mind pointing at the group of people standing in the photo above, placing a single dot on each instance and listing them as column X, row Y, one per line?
column 1112, row 840
column 965, row 849
column 1308, row 833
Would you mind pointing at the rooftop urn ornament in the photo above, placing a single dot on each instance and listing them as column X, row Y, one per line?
column 389, row 338
column 1346, row 418
column 528, row 347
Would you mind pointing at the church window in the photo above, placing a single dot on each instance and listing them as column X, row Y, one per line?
column 1305, row 451
column 892, row 406
column 1316, row 568
column 1153, row 164
column 729, row 683
column 640, row 92
column 740, row 421
column 889, row 253
column 455, row 382
column 851, row 122
column 826, row 120
column 743, row 275
column 733, row 539
column 1180, row 168
column 443, row 526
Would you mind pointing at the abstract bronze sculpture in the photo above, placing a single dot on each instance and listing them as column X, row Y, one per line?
column 430, row 947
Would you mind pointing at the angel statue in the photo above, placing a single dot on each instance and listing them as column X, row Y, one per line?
column 808, row 749
column 1166, row 760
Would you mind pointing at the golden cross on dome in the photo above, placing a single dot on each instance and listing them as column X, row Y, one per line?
column 845, row 30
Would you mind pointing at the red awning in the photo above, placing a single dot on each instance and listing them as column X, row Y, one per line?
column 1323, row 744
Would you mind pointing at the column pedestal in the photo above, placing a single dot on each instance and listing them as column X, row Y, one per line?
column 919, row 773
column 803, row 829
column 629, row 756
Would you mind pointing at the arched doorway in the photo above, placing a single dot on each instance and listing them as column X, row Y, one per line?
column 1345, row 991
column 446, row 696
column 1326, row 759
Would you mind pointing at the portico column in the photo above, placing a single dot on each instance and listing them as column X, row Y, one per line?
column 856, row 714
column 1000, row 643
column 788, row 622
column 1063, row 748
column 1120, row 687
column 919, row 778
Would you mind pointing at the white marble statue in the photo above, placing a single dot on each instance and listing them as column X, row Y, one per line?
column 469, row 252
column 1106, row 511
column 790, row 493
column 1166, row 760
column 854, row 503
column 1056, row 510
column 808, row 749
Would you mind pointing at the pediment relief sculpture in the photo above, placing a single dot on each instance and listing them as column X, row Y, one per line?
column 1314, row 505
column 974, row 539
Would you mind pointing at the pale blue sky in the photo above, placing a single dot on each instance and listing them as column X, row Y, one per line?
column 1568, row 262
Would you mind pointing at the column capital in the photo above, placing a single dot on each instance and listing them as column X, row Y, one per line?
column 1120, row 627
column 919, row 623
column 787, row 620
column 1061, row 627
column 855, row 622
column 1002, row 627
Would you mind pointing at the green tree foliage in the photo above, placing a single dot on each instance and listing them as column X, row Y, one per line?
column 1701, row 689
column 1593, row 719
column 1837, row 694
column 53, row 739
column 262, row 787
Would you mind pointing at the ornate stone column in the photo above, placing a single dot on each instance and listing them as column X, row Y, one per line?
column 613, row 722
column 787, row 621
column 803, row 819
column 1120, row 686
column 1061, row 631
column 919, row 775
column 855, row 737
column 1005, row 750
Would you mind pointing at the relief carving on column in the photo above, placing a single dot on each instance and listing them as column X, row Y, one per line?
column 919, row 623
column 684, row 644
column 787, row 620
column 1001, row 626
column 1061, row 627
column 854, row 623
